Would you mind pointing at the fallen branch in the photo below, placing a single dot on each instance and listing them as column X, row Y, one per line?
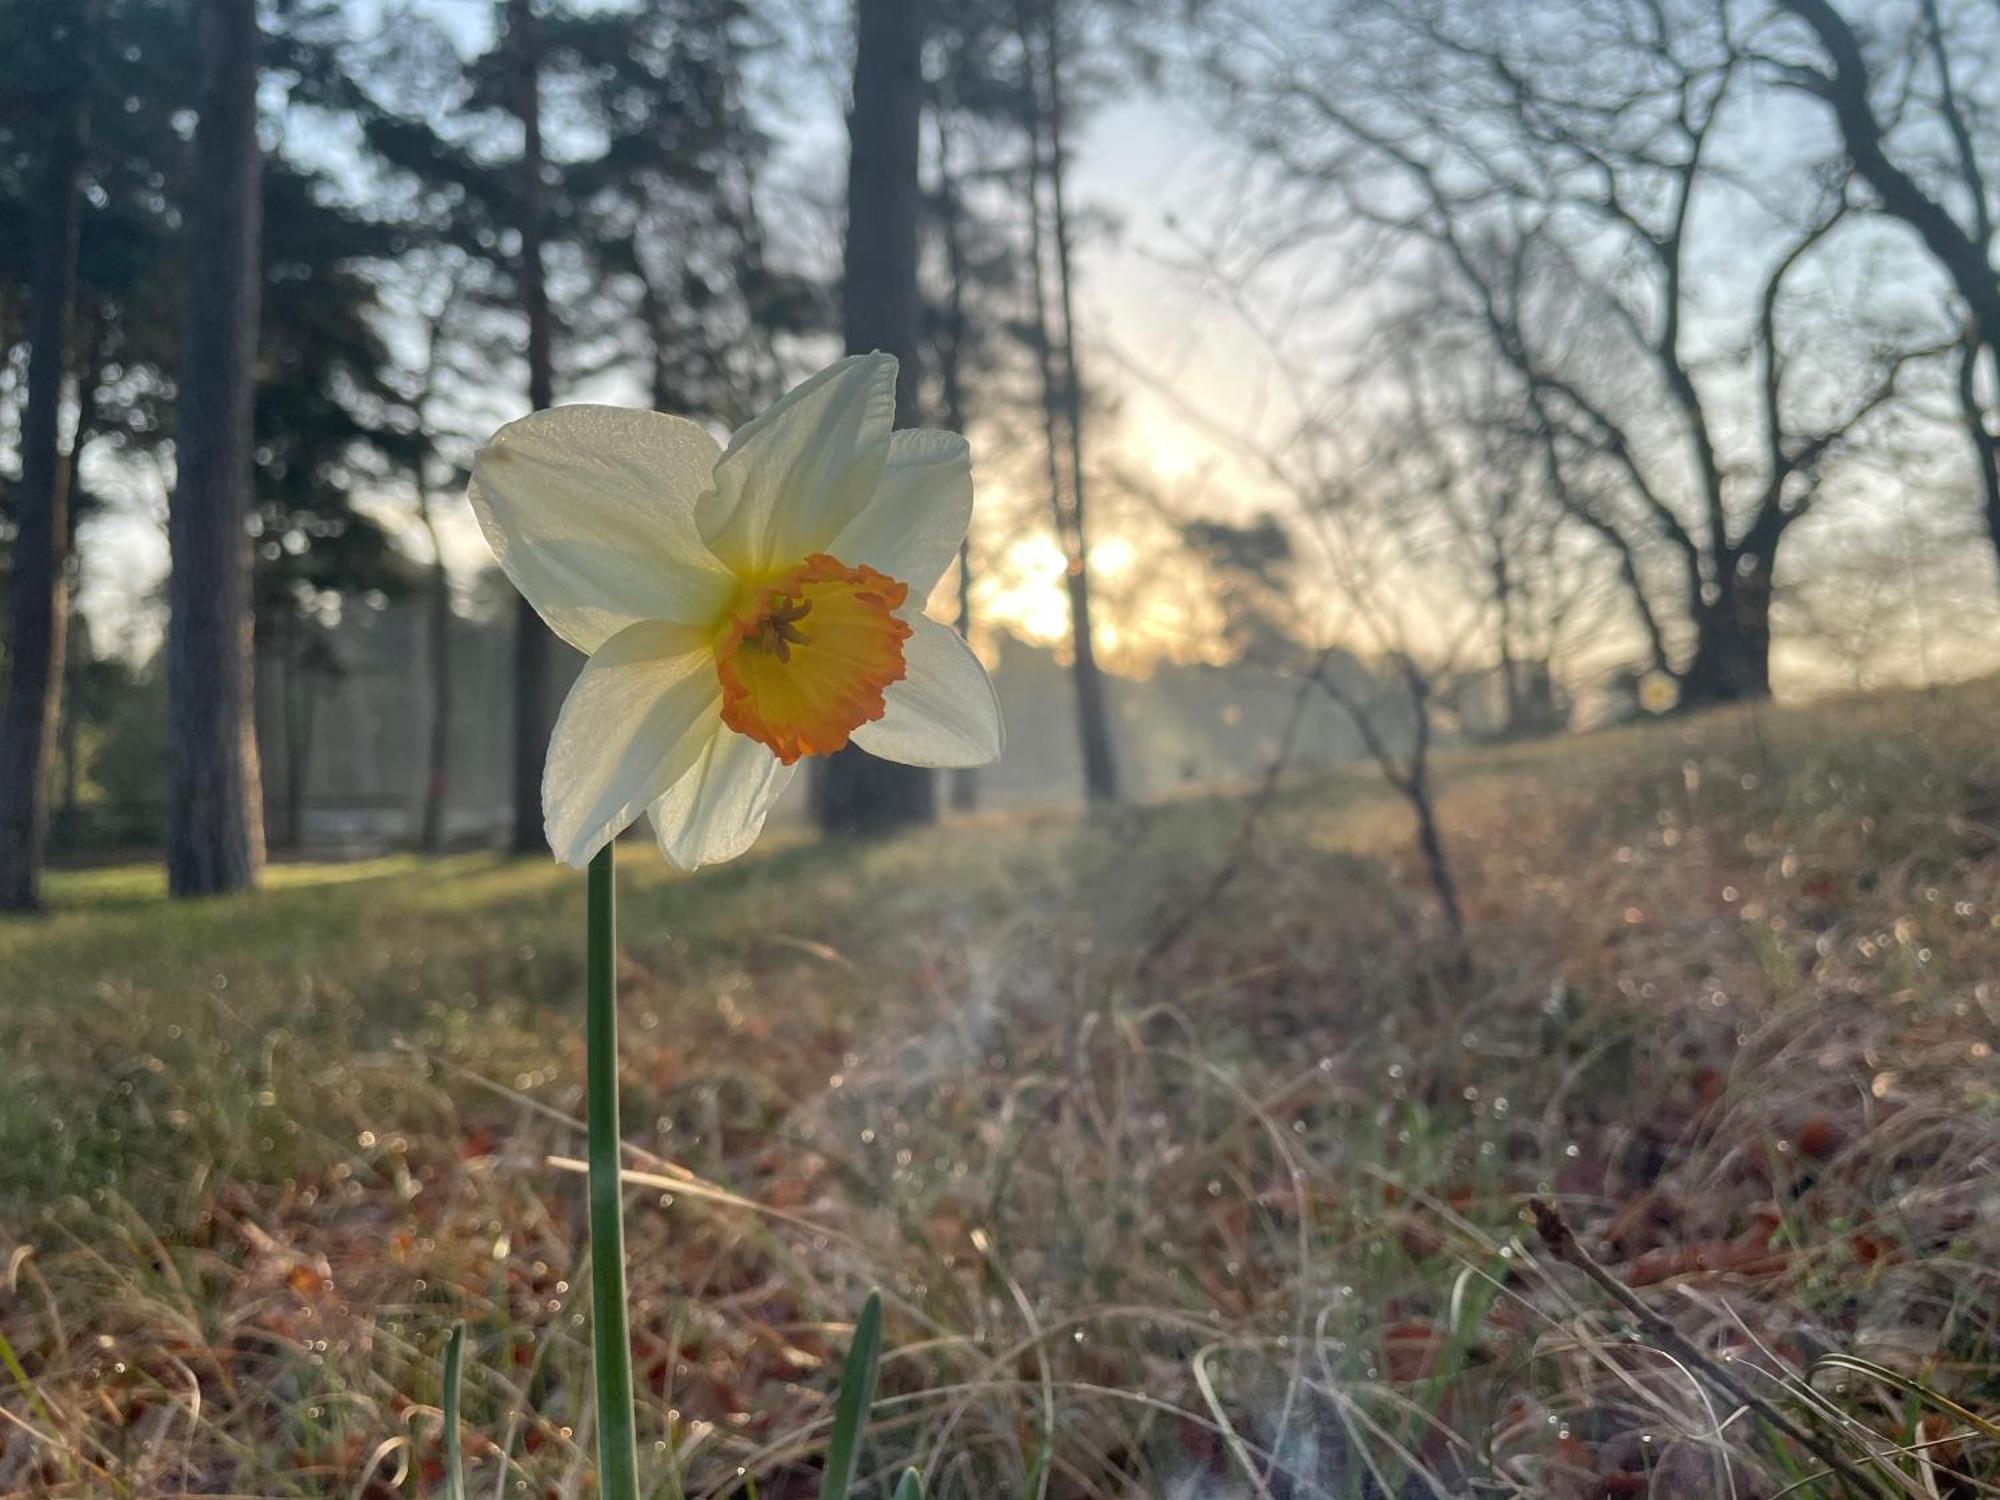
column 1563, row 1246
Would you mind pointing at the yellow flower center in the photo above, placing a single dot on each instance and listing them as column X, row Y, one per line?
column 805, row 657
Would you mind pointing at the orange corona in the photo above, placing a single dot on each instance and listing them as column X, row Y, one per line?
column 805, row 657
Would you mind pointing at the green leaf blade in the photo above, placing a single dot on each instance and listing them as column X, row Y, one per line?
column 854, row 1401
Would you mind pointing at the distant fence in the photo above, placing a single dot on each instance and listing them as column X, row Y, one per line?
column 357, row 735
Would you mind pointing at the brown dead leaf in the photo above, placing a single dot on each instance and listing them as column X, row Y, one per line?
column 1704, row 1257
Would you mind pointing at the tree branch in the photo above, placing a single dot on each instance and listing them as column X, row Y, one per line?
column 1846, row 92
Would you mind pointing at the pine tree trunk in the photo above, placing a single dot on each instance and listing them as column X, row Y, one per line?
column 1058, row 401
column 215, row 832
column 858, row 793
column 41, row 539
column 1100, row 770
column 659, row 349
column 532, row 641
column 951, row 384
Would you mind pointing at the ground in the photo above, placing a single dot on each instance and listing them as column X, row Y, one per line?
column 1189, row 1163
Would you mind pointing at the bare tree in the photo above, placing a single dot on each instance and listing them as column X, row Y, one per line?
column 40, row 596
column 1042, row 121
column 1961, row 241
column 1353, row 469
column 215, row 830
column 1359, row 484
column 1480, row 469
column 859, row 793
column 1408, row 772
column 1371, row 564
column 1554, row 170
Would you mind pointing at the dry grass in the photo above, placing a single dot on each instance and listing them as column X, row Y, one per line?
column 1253, row 1227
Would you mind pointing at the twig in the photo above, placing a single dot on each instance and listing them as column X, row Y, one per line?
column 1170, row 935
column 1562, row 1244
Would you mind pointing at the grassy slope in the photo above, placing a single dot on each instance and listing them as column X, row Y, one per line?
column 1733, row 1004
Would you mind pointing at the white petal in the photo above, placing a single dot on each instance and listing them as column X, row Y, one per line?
column 637, row 718
column 717, row 808
column 590, row 510
column 943, row 712
column 799, row 472
column 912, row 528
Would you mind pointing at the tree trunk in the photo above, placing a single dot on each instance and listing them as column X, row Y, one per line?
column 858, row 793
column 951, row 387
column 1100, row 770
column 1985, row 443
column 1411, row 780
column 658, row 348
column 1093, row 729
column 431, row 833
column 965, row 780
column 41, row 540
column 1964, row 254
column 532, row 641
column 1732, row 653
column 1431, row 843
column 215, row 832
column 1511, row 706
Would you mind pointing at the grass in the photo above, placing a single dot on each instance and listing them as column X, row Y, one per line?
column 1252, row 1225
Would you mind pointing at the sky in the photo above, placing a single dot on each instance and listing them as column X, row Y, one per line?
column 1179, row 366
column 1139, row 164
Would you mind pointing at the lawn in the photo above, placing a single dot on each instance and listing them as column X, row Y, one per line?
column 1244, row 1214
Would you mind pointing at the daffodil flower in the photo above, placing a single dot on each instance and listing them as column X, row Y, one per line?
column 741, row 609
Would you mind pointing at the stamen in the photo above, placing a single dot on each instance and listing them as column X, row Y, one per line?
column 807, row 703
column 777, row 631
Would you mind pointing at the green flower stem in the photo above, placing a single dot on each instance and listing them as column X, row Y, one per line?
column 454, row 1450
column 617, row 1447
